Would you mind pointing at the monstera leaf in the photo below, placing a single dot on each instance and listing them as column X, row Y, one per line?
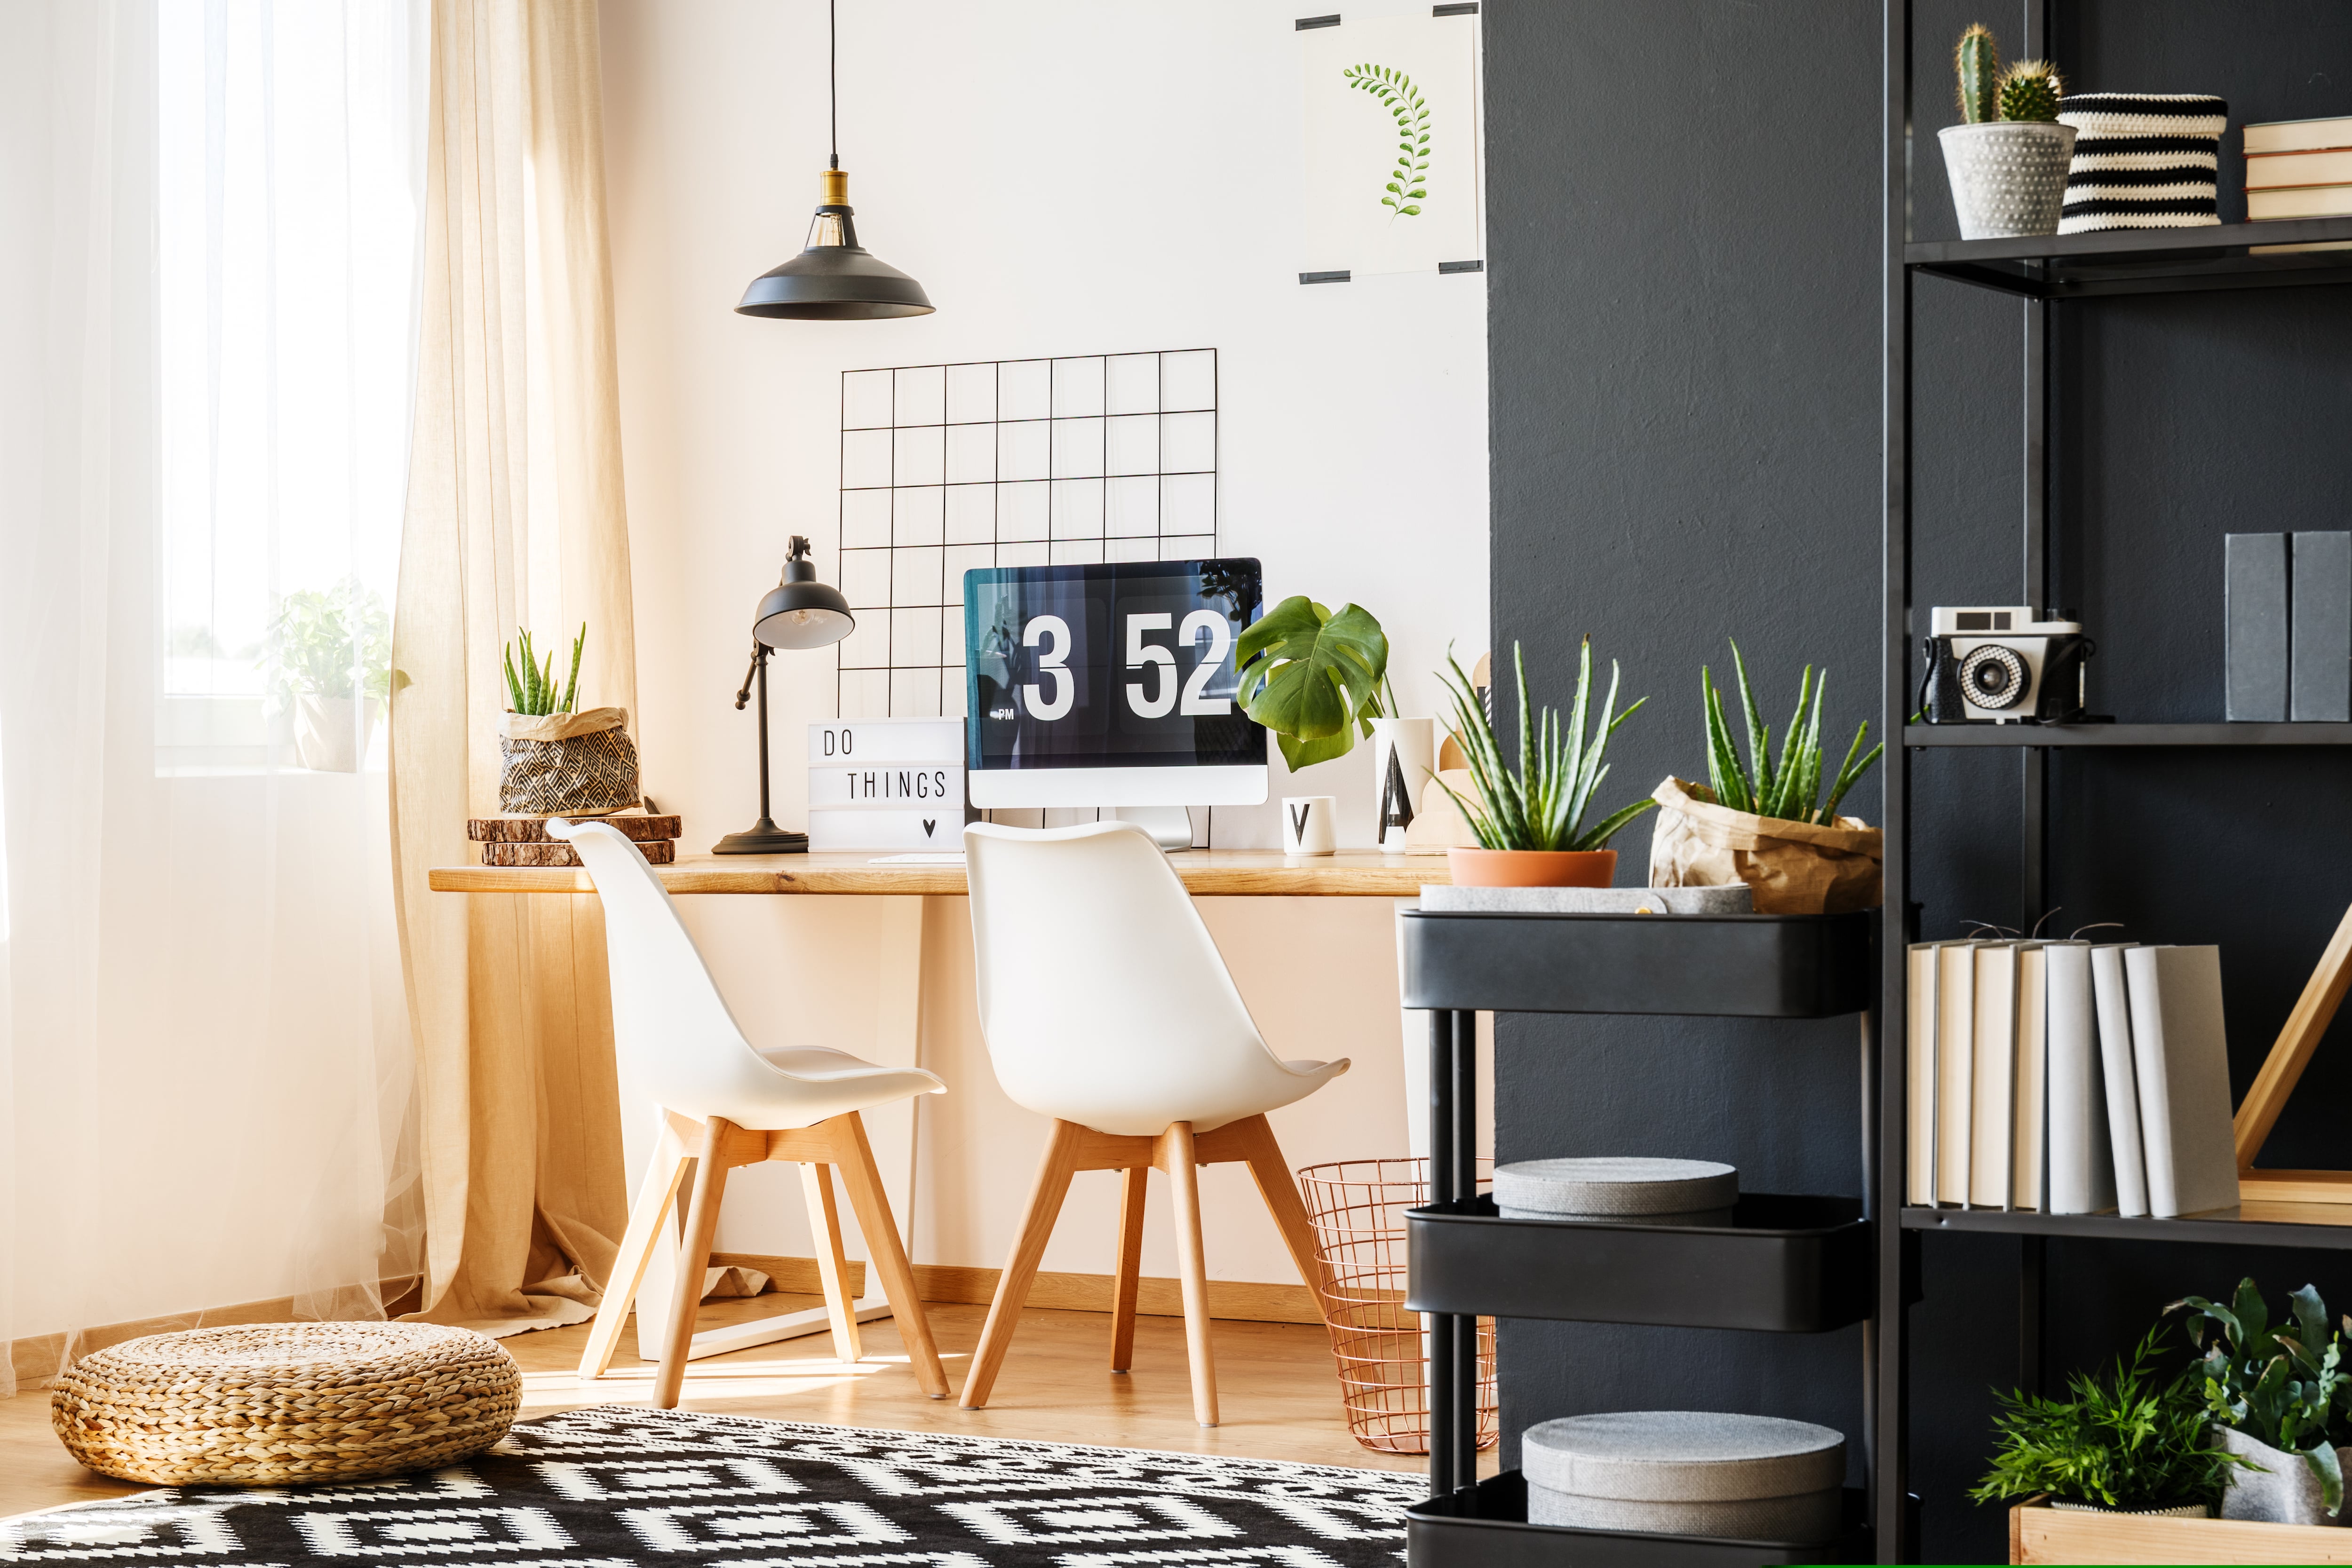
column 1312, row 677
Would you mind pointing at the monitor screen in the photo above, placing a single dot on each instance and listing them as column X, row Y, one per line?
column 1126, row 666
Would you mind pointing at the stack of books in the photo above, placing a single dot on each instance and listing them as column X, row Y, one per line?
column 2068, row 1077
column 2299, row 169
column 887, row 784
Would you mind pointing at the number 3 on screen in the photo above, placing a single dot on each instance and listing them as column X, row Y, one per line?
column 1050, row 662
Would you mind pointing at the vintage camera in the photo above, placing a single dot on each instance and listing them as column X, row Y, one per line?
column 2004, row 665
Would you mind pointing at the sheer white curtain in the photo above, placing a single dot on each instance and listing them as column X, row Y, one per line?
column 209, row 240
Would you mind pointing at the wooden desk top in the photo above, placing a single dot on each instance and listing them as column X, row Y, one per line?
column 1359, row 873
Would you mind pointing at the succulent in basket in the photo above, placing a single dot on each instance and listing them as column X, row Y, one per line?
column 533, row 689
column 2132, row 1439
column 1542, row 805
column 1788, row 788
column 2283, row 1384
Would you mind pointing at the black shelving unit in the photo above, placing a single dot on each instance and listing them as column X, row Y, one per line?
column 2043, row 273
column 1784, row 1264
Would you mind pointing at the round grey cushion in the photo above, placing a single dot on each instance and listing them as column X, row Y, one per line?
column 1682, row 1456
column 1805, row 1518
column 1613, row 1185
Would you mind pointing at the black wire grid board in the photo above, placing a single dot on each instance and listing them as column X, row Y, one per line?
column 1099, row 457
column 614, row 1486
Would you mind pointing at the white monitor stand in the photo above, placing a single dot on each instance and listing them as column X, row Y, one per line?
column 1170, row 827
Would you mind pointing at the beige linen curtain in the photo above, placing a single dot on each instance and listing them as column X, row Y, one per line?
column 515, row 517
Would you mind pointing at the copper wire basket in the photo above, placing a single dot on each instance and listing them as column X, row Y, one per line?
column 1356, row 1207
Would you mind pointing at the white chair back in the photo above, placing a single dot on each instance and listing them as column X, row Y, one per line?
column 1103, row 999
column 675, row 1039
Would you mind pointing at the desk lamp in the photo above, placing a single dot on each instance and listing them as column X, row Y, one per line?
column 799, row 612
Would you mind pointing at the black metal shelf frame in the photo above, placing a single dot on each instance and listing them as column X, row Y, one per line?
column 2042, row 272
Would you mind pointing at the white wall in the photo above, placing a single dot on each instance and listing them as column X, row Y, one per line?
column 1066, row 177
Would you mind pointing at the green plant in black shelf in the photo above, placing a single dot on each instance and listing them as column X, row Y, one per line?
column 2283, row 1385
column 1976, row 62
column 1408, row 183
column 2030, row 90
column 2132, row 1439
column 533, row 689
column 1542, row 806
column 1791, row 788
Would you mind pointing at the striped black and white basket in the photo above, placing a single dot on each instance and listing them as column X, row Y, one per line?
column 2143, row 161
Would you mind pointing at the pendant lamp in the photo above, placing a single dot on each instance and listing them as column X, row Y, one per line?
column 835, row 278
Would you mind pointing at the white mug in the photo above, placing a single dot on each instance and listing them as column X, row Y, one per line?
column 1307, row 824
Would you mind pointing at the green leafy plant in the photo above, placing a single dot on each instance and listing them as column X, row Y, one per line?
column 2130, row 1439
column 2030, row 90
column 1313, row 677
column 1542, row 806
column 533, row 690
column 2283, row 1385
column 1791, row 788
column 1976, row 62
column 330, row 643
column 1409, row 181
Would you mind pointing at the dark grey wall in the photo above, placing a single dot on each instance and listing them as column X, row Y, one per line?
column 1684, row 339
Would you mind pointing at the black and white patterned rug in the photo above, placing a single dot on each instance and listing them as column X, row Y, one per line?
column 616, row 1487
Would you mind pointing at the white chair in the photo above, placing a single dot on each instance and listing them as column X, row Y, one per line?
column 1108, row 1007
column 725, row 1103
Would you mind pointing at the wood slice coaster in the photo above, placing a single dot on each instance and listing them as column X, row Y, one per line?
column 533, row 831
column 658, row 851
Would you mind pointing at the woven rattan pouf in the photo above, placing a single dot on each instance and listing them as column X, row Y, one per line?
column 271, row 1404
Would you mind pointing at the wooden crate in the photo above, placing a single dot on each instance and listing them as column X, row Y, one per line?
column 2040, row 1533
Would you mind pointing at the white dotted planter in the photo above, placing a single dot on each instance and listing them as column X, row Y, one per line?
column 2009, row 177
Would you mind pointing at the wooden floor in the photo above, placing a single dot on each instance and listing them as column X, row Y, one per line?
column 1279, row 1395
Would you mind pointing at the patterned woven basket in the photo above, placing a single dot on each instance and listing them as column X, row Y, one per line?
column 269, row 1403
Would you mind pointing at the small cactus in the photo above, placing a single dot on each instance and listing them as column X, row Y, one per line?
column 1976, row 62
column 2030, row 89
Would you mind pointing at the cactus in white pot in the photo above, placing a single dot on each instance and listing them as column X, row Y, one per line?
column 2008, row 158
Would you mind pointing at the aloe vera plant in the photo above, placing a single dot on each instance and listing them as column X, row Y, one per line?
column 1409, row 181
column 2283, row 1385
column 1541, row 806
column 533, row 689
column 1788, row 788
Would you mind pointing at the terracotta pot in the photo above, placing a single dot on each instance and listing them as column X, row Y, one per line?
column 1532, row 868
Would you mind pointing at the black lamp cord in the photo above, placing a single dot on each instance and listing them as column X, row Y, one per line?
column 833, row 78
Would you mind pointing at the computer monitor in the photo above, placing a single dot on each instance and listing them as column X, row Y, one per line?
column 1110, row 685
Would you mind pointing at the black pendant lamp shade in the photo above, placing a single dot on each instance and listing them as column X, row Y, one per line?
column 800, row 611
column 835, row 278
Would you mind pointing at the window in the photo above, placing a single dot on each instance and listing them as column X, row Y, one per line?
column 289, row 142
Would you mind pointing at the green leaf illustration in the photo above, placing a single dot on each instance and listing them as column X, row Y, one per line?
column 1407, row 181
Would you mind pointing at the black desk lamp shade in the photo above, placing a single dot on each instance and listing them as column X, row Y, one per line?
column 798, row 612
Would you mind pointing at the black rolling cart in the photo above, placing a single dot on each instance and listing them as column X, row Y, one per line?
column 1787, row 1263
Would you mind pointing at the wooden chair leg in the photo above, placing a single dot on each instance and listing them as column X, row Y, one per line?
column 1279, row 1188
column 832, row 1267
column 1133, row 1183
column 885, row 1254
column 656, row 1197
column 693, row 1259
column 1054, row 1173
column 1191, row 1267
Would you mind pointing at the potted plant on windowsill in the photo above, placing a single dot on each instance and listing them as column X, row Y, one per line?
column 1530, row 823
column 2129, row 1442
column 330, row 658
column 2277, row 1397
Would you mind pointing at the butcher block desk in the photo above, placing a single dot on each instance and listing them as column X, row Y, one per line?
column 1206, row 873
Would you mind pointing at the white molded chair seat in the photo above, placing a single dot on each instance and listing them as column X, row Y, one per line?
column 1108, row 1007
column 724, row 1102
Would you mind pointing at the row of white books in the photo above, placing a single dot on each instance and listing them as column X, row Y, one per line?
column 2298, row 169
column 2074, row 1076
